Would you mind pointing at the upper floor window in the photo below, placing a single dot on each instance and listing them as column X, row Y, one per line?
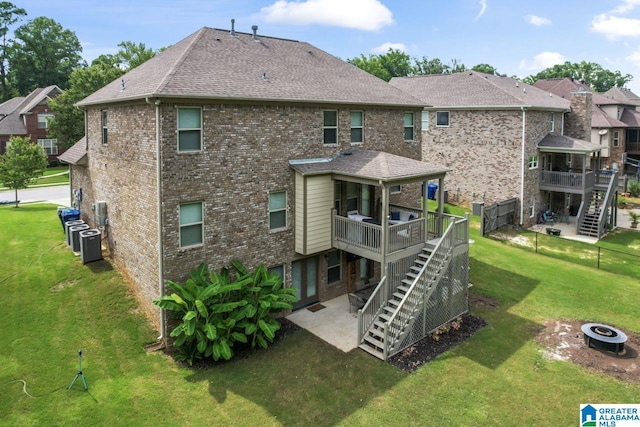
column 103, row 121
column 277, row 210
column 191, row 224
column 330, row 127
column 408, row 126
column 337, row 196
column 425, row 120
column 442, row 118
column 189, row 129
column 43, row 120
column 352, row 197
column 616, row 138
column 552, row 119
column 533, row 162
column 357, row 127
column 50, row 146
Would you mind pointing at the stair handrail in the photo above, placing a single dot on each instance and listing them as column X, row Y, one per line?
column 377, row 294
column 439, row 253
column 580, row 217
column 607, row 202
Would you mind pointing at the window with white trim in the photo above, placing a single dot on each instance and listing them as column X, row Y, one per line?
column 357, row 127
column 277, row 210
column 533, row 162
column 553, row 121
column 395, row 189
column 334, row 266
column 330, row 127
column 442, row 118
column 424, row 122
column 408, row 126
column 103, row 123
column 189, row 129
column 191, row 224
column 532, row 207
column 43, row 120
column 49, row 145
column 616, row 138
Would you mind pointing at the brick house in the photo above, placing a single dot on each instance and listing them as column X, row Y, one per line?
column 29, row 116
column 630, row 116
column 234, row 145
column 505, row 139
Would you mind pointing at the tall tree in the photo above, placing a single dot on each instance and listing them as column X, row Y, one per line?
column 430, row 66
column 9, row 15
column 394, row 63
column 487, row 69
column 43, row 54
column 592, row 74
column 68, row 124
column 21, row 164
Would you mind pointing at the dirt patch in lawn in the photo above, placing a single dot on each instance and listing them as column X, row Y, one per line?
column 564, row 340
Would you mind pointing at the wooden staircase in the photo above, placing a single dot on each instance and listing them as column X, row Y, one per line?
column 397, row 315
column 590, row 223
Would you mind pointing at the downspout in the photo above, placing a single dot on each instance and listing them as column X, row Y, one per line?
column 163, row 320
column 524, row 120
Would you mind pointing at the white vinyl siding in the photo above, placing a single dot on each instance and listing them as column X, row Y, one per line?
column 314, row 202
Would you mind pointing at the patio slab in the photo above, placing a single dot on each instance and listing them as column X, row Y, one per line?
column 333, row 323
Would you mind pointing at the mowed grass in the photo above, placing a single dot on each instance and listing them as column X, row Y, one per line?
column 52, row 305
column 54, row 175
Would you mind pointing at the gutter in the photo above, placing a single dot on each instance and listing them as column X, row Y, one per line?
column 163, row 320
column 524, row 121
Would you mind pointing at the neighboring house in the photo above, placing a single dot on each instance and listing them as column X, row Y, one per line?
column 505, row 139
column 631, row 117
column 230, row 145
column 29, row 116
column 607, row 128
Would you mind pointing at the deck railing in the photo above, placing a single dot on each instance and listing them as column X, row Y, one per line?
column 357, row 233
column 567, row 179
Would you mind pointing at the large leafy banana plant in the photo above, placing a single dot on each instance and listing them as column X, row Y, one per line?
column 217, row 310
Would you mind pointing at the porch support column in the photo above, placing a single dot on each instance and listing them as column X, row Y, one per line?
column 425, row 210
column 384, row 232
column 440, row 204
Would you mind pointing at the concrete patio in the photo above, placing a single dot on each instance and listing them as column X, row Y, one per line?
column 568, row 230
column 333, row 323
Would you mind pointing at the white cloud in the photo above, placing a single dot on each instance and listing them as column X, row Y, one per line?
column 537, row 20
column 384, row 47
column 614, row 28
column 634, row 58
column 542, row 60
column 483, row 8
column 368, row 15
column 626, row 6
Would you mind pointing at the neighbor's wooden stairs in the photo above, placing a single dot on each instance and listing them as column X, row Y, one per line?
column 434, row 267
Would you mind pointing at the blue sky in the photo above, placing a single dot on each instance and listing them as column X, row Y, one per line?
column 517, row 37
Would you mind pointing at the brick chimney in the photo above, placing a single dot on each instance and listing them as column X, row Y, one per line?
column 578, row 121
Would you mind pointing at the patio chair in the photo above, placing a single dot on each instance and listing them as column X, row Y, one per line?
column 355, row 301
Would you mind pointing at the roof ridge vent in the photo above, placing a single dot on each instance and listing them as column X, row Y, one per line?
column 255, row 31
column 233, row 29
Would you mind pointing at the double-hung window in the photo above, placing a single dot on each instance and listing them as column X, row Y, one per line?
column 277, row 210
column 442, row 118
column 330, row 127
column 616, row 138
column 189, row 129
column 408, row 126
column 425, row 120
column 357, row 127
column 552, row 119
column 533, row 162
column 43, row 120
column 103, row 122
column 50, row 146
column 191, row 224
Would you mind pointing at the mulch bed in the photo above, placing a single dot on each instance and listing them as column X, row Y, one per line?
column 413, row 357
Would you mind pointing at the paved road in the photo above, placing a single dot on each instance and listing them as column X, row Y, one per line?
column 58, row 194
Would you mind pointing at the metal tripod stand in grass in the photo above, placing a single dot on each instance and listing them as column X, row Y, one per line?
column 79, row 374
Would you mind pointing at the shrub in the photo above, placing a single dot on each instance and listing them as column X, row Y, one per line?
column 633, row 187
column 220, row 310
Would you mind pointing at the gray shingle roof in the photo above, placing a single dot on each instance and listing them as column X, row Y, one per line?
column 631, row 118
column 11, row 111
column 472, row 89
column 624, row 95
column 375, row 165
column 77, row 154
column 600, row 119
column 564, row 87
column 213, row 64
column 554, row 142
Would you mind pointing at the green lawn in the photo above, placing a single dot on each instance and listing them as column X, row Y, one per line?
column 52, row 305
column 55, row 175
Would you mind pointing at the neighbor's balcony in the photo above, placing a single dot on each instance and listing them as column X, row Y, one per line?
column 633, row 147
column 568, row 182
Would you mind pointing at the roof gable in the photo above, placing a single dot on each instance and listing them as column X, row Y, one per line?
column 212, row 64
column 471, row 89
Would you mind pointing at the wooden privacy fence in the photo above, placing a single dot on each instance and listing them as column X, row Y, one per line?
column 499, row 214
